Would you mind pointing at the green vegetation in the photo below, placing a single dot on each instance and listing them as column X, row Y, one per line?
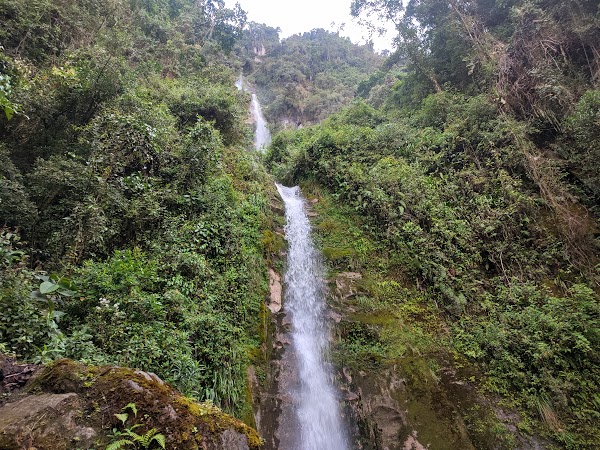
column 460, row 180
column 307, row 76
column 127, row 438
column 391, row 330
column 474, row 177
column 133, row 214
column 472, row 234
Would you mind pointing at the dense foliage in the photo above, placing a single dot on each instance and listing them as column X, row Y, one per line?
column 132, row 213
column 474, row 168
column 307, row 76
column 135, row 227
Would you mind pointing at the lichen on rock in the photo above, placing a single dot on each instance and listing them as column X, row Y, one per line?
column 70, row 405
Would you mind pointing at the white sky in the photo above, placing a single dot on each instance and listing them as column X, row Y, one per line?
column 298, row 16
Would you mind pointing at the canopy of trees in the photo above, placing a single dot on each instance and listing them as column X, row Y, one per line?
column 306, row 77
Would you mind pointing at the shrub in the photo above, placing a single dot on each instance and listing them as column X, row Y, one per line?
column 582, row 144
column 16, row 208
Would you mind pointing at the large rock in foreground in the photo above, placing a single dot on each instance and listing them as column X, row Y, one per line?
column 68, row 405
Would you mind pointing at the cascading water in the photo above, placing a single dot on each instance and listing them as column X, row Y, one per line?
column 316, row 411
column 239, row 83
column 262, row 136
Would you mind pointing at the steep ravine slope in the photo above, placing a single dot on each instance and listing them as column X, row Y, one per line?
column 405, row 387
column 461, row 234
column 133, row 222
column 449, row 259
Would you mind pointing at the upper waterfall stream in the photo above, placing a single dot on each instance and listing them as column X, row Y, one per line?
column 262, row 135
column 314, row 403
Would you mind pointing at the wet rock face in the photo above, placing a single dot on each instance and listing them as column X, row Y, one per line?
column 276, row 290
column 395, row 412
column 403, row 406
column 401, row 403
column 233, row 441
column 68, row 405
column 346, row 285
column 267, row 396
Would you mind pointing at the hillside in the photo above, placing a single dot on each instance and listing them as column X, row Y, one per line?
column 464, row 194
column 452, row 189
column 306, row 77
column 131, row 213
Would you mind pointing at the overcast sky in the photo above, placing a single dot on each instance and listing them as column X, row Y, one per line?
column 298, row 16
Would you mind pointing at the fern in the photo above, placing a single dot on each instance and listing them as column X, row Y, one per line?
column 160, row 438
column 137, row 441
column 117, row 445
column 122, row 417
column 146, row 440
column 131, row 406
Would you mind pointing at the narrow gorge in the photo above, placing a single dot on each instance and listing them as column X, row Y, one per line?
column 310, row 413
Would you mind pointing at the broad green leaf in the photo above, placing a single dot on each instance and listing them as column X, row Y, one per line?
column 10, row 112
column 67, row 292
column 48, row 287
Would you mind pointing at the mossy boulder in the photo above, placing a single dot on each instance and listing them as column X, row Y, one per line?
column 68, row 405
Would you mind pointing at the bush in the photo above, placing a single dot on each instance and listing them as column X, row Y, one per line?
column 200, row 154
column 582, row 144
column 541, row 345
column 16, row 208
column 28, row 305
column 221, row 105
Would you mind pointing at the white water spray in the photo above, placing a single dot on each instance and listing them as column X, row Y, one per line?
column 240, row 83
column 317, row 410
column 262, row 136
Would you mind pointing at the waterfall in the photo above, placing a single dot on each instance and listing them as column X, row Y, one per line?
column 316, row 409
column 240, row 82
column 262, row 136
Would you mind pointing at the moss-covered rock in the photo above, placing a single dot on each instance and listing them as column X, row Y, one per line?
column 70, row 405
